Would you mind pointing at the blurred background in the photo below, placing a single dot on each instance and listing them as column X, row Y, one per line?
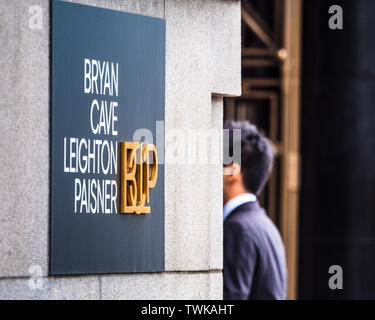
column 312, row 91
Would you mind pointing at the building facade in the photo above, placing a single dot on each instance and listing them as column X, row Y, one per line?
column 203, row 64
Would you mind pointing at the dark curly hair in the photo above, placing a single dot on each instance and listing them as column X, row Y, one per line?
column 257, row 155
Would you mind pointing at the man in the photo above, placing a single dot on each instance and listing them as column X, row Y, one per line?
column 254, row 255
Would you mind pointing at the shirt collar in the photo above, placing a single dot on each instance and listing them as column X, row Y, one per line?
column 234, row 203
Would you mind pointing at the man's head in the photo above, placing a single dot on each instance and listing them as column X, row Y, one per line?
column 257, row 154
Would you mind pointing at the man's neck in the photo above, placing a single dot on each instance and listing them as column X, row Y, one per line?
column 235, row 194
column 236, row 202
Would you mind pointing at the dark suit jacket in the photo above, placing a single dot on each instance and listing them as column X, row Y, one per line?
column 254, row 256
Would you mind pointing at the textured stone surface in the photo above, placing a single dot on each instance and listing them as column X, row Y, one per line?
column 203, row 58
column 170, row 286
column 154, row 8
column 24, row 143
column 153, row 286
column 67, row 288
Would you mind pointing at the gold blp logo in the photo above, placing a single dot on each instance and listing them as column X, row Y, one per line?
column 139, row 173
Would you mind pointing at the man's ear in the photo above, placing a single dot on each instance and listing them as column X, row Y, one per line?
column 232, row 170
column 236, row 169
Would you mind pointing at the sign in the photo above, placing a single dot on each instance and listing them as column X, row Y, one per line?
column 107, row 185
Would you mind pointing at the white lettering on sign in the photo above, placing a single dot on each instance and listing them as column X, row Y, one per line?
column 103, row 118
column 101, row 77
column 95, row 157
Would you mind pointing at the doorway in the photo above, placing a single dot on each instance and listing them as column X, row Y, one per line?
column 271, row 55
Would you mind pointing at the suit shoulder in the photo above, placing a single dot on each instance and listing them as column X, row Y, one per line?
column 243, row 223
column 252, row 221
column 245, row 216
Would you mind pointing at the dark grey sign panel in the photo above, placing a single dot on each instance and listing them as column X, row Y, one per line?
column 108, row 80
